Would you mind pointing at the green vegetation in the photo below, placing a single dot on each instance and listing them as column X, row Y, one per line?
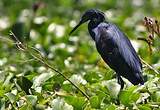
column 29, row 74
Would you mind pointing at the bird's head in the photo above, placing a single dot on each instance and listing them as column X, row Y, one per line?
column 90, row 15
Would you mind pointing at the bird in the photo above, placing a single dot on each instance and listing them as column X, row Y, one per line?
column 113, row 46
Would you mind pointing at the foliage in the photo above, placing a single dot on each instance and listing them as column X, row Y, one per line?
column 28, row 83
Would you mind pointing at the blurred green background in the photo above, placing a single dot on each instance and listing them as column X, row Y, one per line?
column 45, row 24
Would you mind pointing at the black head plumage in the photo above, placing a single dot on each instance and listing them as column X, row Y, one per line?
column 90, row 15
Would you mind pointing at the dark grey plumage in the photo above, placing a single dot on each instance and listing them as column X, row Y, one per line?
column 114, row 47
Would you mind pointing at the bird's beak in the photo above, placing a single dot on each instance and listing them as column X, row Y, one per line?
column 81, row 22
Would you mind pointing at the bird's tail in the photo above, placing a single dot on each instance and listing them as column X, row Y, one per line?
column 137, row 79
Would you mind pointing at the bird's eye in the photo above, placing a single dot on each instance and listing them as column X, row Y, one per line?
column 95, row 19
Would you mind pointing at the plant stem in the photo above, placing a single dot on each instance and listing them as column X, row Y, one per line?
column 49, row 66
column 42, row 60
column 149, row 66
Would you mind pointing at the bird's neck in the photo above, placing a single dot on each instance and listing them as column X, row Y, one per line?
column 91, row 26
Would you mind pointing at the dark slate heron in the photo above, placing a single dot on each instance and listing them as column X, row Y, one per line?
column 114, row 47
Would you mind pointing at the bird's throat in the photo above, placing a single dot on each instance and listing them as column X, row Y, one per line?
column 92, row 29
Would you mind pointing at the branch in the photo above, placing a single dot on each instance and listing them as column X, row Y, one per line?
column 39, row 57
column 149, row 66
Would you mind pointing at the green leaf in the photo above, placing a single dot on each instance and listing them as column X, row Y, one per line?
column 26, row 107
column 42, row 78
column 2, row 103
column 156, row 96
column 2, row 90
column 127, row 96
column 40, row 107
column 8, row 78
column 124, row 97
column 111, row 107
column 135, row 97
column 31, row 99
column 94, row 102
column 101, row 95
column 11, row 97
column 40, row 98
column 2, row 78
column 144, row 107
column 92, row 77
column 67, row 87
column 77, row 102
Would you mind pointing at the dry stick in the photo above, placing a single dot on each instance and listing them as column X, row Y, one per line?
column 22, row 47
column 149, row 66
column 49, row 66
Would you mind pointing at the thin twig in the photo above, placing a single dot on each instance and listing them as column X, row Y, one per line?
column 7, row 40
column 149, row 66
column 25, row 61
column 49, row 66
column 42, row 60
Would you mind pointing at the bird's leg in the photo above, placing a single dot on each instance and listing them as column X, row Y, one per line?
column 120, row 81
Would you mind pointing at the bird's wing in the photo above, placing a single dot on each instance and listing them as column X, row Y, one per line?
column 124, row 50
